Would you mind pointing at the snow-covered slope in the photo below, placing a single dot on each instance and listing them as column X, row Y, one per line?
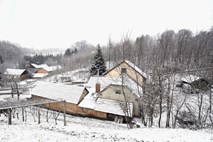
column 88, row 129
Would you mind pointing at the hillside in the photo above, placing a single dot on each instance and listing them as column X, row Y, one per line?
column 88, row 129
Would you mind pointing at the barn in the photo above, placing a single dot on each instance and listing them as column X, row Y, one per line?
column 60, row 92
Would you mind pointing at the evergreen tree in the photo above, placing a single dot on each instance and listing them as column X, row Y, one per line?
column 1, row 60
column 98, row 63
column 67, row 52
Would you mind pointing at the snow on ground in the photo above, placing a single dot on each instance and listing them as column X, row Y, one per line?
column 88, row 129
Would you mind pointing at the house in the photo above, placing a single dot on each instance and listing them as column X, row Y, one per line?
column 17, row 74
column 105, row 81
column 193, row 84
column 37, row 72
column 117, row 92
column 127, row 67
column 44, row 68
column 108, row 92
column 102, row 105
column 40, row 71
column 73, row 95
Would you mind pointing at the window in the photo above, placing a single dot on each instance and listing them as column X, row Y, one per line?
column 123, row 70
column 117, row 91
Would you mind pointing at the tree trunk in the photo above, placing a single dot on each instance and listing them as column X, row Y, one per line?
column 200, row 102
column 210, row 107
column 168, row 106
column 168, row 111
column 160, row 103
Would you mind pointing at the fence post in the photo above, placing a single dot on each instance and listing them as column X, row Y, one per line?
column 39, row 120
column 10, row 116
column 65, row 123
column 22, row 114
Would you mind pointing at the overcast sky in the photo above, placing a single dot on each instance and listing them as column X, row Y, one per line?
column 44, row 24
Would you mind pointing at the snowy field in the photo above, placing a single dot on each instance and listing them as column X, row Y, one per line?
column 88, row 129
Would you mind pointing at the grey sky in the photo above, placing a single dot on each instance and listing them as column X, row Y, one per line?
column 59, row 23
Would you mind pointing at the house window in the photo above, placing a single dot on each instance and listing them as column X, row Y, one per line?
column 123, row 70
column 117, row 91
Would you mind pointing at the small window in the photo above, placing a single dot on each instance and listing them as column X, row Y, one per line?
column 117, row 91
column 123, row 70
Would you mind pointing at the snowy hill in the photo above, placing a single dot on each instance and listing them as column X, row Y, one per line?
column 88, row 129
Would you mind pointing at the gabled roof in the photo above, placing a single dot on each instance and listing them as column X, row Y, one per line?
column 136, row 68
column 57, row 91
column 44, row 66
column 106, row 81
column 113, row 107
column 92, row 101
column 89, row 100
column 189, row 78
column 133, row 66
column 39, row 75
column 14, row 72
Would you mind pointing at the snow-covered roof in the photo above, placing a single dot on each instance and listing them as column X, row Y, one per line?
column 39, row 75
column 106, row 81
column 113, row 107
column 15, row 72
column 92, row 101
column 53, row 68
column 89, row 100
column 189, row 78
column 57, row 91
column 44, row 66
column 136, row 68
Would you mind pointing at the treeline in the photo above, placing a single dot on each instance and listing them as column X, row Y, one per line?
column 10, row 54
column 41, row 59
column 182, row 50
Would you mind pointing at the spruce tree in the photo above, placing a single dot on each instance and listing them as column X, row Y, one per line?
column 67, row 52
column 98, row 63
column 1, row 60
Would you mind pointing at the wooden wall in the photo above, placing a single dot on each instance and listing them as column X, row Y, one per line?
column 116, row 72
column 42, row 71
column 110, row 93
column 72, row 109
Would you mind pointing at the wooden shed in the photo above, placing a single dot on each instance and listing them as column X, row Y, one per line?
column 17, row 74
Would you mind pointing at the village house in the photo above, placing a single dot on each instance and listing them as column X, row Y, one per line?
column 17, row 74
column 127, row 67
column 106, row 95
column 117, row 92
column 43, row 68
column 40, row 71
column 60, row 92
column 193, row 84
column 120, row 86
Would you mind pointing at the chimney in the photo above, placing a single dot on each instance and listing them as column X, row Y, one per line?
column 97, row 88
